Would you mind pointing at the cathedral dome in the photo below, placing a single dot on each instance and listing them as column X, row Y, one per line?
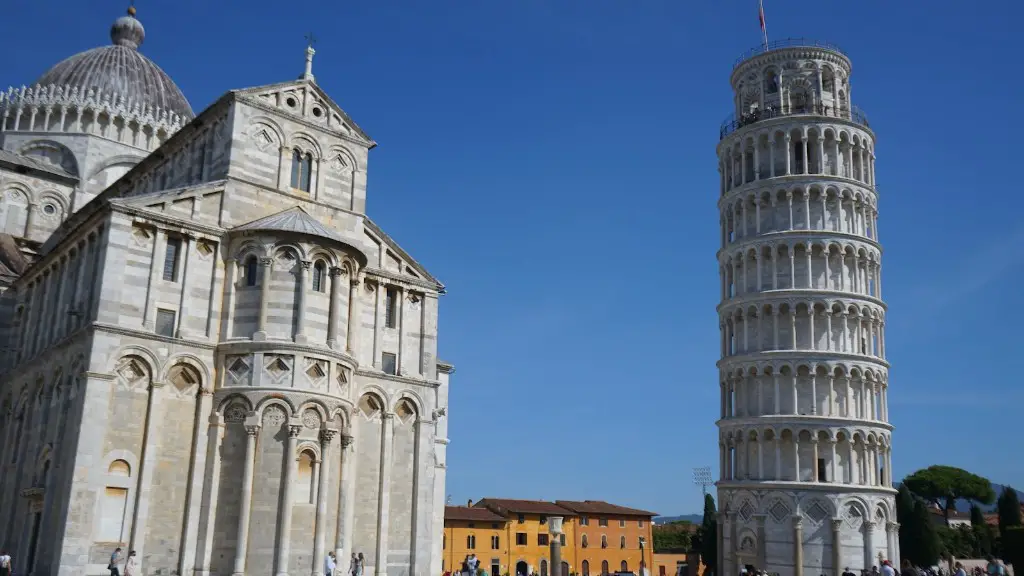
column 121, row 71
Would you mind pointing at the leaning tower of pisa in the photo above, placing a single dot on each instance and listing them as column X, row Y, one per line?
column 804, row 433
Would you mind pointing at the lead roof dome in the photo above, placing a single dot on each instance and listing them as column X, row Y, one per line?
column 120, row 69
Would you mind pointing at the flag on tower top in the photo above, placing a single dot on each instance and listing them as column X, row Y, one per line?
column 760, row 16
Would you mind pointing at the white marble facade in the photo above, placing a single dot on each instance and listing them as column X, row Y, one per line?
column 804, row 428
column 214, row 356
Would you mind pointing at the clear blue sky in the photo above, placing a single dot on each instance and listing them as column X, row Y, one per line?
column 553, row 162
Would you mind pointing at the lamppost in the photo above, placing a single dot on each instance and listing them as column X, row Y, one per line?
column 555, row 529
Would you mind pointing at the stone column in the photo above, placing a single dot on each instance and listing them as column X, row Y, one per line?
column 150, row 450
column 245, row 509
column 346, row 501
column 283, row 172
column 720, row 561
column 890, row 540
column 231, row 267
column 187, row 242
column 194, row 496
column 378, row 322
column 300, row 332
column 798, row 546
column 555, row 530
column 837, row 546
column 319, row 534
column 208, row 507
column 762, row 552
column 157, row 260
column 284, row 522
column 384, row 501
column 261, row 327
column 353, row 315
column 403, row 295
column 869, row 535
column 335, row 313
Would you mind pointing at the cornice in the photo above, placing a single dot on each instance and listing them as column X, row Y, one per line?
column 375, row 274
column 790, row 296
column 157, row 218
column 793, row 120
column 796, row 420
column 784, row 486
column 394, row 378
column 256, row 103
column 787, row 53
column 786, row 181
column 245, row 346
column 799, row 356
column 123, row 331
column 775, row 238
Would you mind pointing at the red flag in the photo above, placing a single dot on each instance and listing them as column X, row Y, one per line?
column 760, row 17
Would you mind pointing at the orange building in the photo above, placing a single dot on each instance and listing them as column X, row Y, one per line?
column 512, row 537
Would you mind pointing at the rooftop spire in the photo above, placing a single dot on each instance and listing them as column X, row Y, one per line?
column 310, row 42
column 127, row 31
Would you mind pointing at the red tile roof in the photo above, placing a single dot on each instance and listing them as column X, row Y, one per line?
column 471, row 514
column 597, row 507
column 508, row 506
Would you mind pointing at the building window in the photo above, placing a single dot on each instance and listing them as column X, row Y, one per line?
column 822, row 470
column 251, row 270
column 302, row 168
column 639, row 523
column 388, row 363
column 584, row 521
column 640, row 542
column 542, row 539
column 318, row 276
column 444, row 541
column 661, row 570
column 543, row 568
column 585, row 568
column 495, row 525
column 390, row 307
column 520, row 538
column 165, row 322
column 561, row 538
column 602, row 522
column 622, row 542
column 522, row 518
column 583, row 541
column 624, row 567
column 171, row 259
column 543, row 519
column 604, row 541
column 471, row 542
column 604, row 567
column 495, row 566
column 305, row 481
column 622, row 523
column 495, row 542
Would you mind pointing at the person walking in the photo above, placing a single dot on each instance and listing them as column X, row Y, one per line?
column 360, row 564
column 960, row 570
column 115, row 559
column 131, row 565
column 329, row 564
column 5, row 563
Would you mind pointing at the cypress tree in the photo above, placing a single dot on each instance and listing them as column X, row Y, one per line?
column 927, row 545
column 982, row 536
column 1009, row 517
column 709, row 535
column 905, row 516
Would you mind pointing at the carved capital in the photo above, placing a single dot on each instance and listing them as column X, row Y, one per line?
column 892, row 526
column 326, row 435
column 347, row 440
column 337, row 271
column 798, row 521
column 837, row 523
column 305, row 264
column 252, row 429
column 266, row 262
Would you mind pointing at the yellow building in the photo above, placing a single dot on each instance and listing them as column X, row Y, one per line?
column 512, row 537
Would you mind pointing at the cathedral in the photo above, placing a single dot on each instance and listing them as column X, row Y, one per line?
column 209, row 353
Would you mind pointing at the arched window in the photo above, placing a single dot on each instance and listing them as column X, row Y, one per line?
column 318, row 276
column 622, row 541
column 251, row 270
column 302, row 167
column 471, row 542
column 604, row 568
column 604, row 541
column 114, row 502
column 585, row 569
column 583, row 541
column 305, row 479
column 543, row 568
column 624, row 567
column 771, row 82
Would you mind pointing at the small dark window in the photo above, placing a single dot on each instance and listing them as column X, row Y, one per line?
column 520, row 538
column 302, row 167
column 543, row 519
column 561, row 539
column 165, row 322
column 542, row 539
column 604, row 541
column 622, row 523
column 390, row 305
column 388, row 363
column 495, row 525
column 584, row 521
column 622, row 542
column 251, row 270
column 318, row 276
column 522, row 518
column 625, row 566
column 822, row 471
column 583, row 541
column 495, row 542
column 602, row 522
column 171, row 259
column 471, row 542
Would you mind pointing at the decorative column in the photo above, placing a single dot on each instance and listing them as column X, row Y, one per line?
column 231, row 267
column 384, row 500
column 346, row 500
column 762, row 545
column 353, row 315
column 378, row 321
column 335, row 314
column 890, row 540
column 187, row 241
column 555, row 529
column 798, row 545
column 147, row 467
column 837, row 548
column 204, row 545
column 300, row 332
column 284, row 523
column 869, row 536
column 242, row 540
column 319, row 529
column 261, row 328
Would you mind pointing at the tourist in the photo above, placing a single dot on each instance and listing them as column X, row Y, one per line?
column 115, row 559
column 907, row 569
column 131, row 566
column 329, row 564
column 472, row 562
column 960, row 570
column 847, row 572
column 5, row 563
column 360, row 564
column 887, row 569
column 994, row 567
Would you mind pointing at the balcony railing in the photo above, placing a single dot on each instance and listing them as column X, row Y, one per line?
column 731, row 124
column 787, row 43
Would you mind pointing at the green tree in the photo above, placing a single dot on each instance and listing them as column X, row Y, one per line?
column 1009, row 517
column 944, row 485
column 927, row 546
column 1013, row 544
column 674, row 537
column 982, row 534
column 905, row 516
column 709, row 534
column 956, row 541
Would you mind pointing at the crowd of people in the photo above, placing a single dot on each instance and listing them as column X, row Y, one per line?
column 131, row 564
column 470, row 567
column 994, row 567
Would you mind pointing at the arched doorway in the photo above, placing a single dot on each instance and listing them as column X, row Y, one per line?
column 522, row 568
column 604, row 568
column 586, row 568
column 565, row 569
column 543, row 568
column 624, row 567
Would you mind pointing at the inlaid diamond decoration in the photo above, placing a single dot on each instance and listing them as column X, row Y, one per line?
column 277, row 368
column 853, row 517
column 315, row 370
column 238, row 368
column 779, row 511
column 817, row 512
column 746, row 511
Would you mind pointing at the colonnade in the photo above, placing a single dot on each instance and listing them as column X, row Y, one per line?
column 801, row 265
column 819, row 392
column 820, row 208
column 794, row 455
column 803, row 150
column 811, row 326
